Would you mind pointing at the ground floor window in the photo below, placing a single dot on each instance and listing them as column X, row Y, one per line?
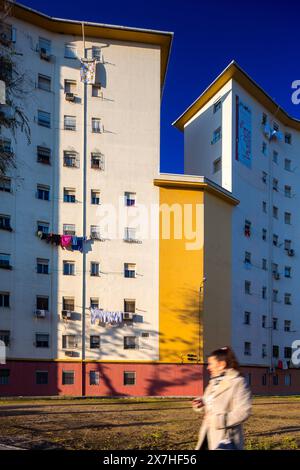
column 41, row 377
column 275, row 379
column 264, row 379
column 94, row 377
column 288, row 380
column 68, row 377
column 4, row 376
column 129, row 378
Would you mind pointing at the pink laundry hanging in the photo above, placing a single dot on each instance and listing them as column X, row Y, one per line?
column 66, row 240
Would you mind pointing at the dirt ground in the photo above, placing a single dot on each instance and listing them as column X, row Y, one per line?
column 165, row 424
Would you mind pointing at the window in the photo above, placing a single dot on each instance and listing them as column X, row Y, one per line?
column 275, row 126
column 94, row 342
column 129, row 378
column 287, row 325
column 217, row 106
column 263, row 321
column 94, row 302
column 96, row 125
column 287, row 244
column 275, row 323
column 69, row 195
column 247, row 318
column 288, row 299
column 71, row 159
column 43, row 227
column 70, row 342
column 264, row 379
column 275, row 240
column 70, row 51
column 288, row 138
column 44, row 82
column 69, row 229
column 97, row 161
column 95, row 197
column 264, row 148
column 217, row 165
column 4, row 376
column 275, row 351
column 275, row 184
column 44, row 119
column 264, row 264
column 69, row 304
column 217, row 134
column 129, row 306
column 4, row 299
column 247, row 259
column 264, row 206
column 287, row 352
column 130, row 199
column 247, row 349
column 42, row 266
column 275, row 156
column 68, row 377
column 264, row 292
column 287, row 164
column 5, row 184
column 41, row 340
column 247, row 228
column 41, row 377
column 275, row 295
column 5, row 222
column 287, row 271
column 70, row 86
column 70, row 123
column 5, row 337
column 5, row 261
column 95, row 232
column 43, row 192
column 96, row 91
column 287, row 191
column 264, row 119
column 274, row 268
column 275, row 379
column 275, row 212
column 247, row 287
column 130, row 234
column 96, row 52
column 264, row 234
column 287, row 218
column 69, row 268
column 129, row 270
column 95, row 269
column 94, row 377
column 264, row 177
column 42, row 302
column 288, row 380
column 130, row 342
column 45, row 46
column 264, row 350
column 43, row 155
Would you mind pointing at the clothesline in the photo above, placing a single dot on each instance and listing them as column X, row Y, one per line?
column 65, row 241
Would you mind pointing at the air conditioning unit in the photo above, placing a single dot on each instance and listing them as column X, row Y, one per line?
column 291, row 252
column 271, row 370
column 66, row 314
column 70, row 96
column 40, row 313
column 128, row 316
column 96, row 236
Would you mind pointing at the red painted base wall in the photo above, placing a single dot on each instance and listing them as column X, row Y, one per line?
column 151, row 379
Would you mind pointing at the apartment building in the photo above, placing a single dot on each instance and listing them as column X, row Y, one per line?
column 238, row 137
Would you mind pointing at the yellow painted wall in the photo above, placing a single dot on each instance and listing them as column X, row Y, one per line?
column 181, row 275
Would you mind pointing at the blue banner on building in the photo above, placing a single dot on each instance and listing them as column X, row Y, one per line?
column 243, row 133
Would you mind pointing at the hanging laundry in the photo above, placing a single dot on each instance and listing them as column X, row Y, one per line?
column 280, row 364
column 40, row 234
column 65, row 240
column 88, row 71
column 74, row 242
column 105, row 316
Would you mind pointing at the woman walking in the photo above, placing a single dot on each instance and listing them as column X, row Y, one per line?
column 226, row 404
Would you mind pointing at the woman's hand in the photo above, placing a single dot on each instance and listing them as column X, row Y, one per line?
column 198, row 402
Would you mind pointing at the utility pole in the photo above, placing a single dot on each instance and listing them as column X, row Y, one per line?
column 84, row 154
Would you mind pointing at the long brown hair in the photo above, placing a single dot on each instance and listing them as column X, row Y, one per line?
column 226, row 354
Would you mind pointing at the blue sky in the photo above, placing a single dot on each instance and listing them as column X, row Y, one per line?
column 263, row 37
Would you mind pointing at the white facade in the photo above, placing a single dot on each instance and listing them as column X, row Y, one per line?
column 129, row 109
column 247, row 185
